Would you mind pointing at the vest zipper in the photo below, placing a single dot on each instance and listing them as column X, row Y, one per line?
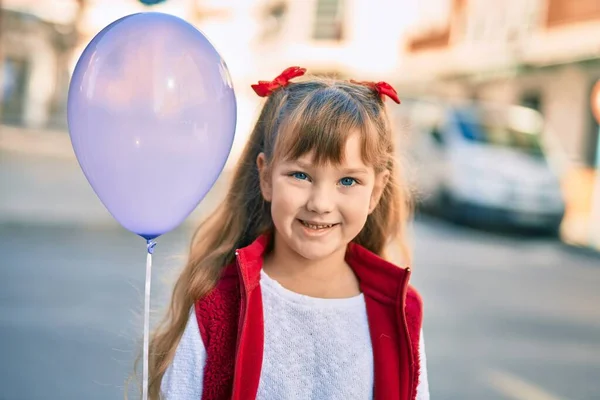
column 408, row 341
column 241, row 322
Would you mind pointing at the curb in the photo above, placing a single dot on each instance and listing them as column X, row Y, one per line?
column 584, row 251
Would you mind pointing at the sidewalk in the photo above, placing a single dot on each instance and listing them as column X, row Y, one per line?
column 42, row 183
column 35, row 142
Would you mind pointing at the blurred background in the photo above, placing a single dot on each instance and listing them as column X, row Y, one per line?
column 498, row 132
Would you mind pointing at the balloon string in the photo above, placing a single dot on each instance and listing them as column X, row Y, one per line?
column 150, row 246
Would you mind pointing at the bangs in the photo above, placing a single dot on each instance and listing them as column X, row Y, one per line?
column 321, row 125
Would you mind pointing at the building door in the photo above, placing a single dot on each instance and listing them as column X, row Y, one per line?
column 14, row 91
column 591, row 151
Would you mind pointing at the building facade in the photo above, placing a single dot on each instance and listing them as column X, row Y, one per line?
column 35, row 51
column 257, row 38
column 541, row 53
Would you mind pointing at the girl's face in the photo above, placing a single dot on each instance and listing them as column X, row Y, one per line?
column 318, row 210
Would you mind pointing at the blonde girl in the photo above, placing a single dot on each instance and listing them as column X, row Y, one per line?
column 287, row 293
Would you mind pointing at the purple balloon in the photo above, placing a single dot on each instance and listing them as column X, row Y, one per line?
column 152, row 114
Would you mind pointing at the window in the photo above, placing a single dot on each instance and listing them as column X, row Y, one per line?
column 274, row 16
column 518, row 128
column 437, row 136
column 329, row 20
column 532, row 100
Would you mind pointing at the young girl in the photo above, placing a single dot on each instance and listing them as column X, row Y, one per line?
column 286, row 294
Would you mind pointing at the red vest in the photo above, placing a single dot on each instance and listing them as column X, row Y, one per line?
column 230, row 318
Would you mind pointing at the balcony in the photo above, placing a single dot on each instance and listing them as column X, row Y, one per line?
column 565, row 12
column 433, row 40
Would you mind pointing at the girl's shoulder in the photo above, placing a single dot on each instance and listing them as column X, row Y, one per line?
column 414, row 305
column 225, row 290
column 228, row 282
column 217, row 311
column 413, row 295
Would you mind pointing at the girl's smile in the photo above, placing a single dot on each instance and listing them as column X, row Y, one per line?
column 316, row 229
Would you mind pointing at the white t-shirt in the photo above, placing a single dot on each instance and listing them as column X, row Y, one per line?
column 313, row 349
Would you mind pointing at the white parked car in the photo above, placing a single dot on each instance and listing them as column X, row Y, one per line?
column 484, row 163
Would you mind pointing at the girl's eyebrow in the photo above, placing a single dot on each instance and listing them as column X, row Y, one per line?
column 300, row 164
column 355, row 171
column 349, row 171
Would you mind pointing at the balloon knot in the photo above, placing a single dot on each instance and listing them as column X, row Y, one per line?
column 150, row 245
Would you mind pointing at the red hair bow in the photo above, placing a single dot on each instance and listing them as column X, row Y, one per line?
column 265, row 88
column 383, row 88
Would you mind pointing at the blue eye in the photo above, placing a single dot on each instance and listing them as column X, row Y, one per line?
column 348, row 181
column 299, row 175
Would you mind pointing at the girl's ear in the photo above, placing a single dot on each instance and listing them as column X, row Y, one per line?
column 264, row 176
column 381, row 181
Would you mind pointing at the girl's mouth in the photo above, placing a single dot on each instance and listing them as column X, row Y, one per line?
column 315, row 226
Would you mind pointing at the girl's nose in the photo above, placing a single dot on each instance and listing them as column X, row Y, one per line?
column 320, row 201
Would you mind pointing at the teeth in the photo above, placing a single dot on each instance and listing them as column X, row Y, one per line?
column 316, row 226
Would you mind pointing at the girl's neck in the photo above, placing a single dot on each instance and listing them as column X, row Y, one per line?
column 329, row 277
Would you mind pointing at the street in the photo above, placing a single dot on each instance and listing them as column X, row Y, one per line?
column 497, row 118
column 506, row 317
column 501, row 314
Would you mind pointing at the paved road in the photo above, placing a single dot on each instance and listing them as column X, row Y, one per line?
column 508, row 317
column 505, row 317
column 70, row 309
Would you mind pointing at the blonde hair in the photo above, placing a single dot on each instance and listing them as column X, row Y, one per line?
column 316, row 116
